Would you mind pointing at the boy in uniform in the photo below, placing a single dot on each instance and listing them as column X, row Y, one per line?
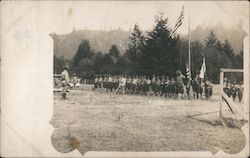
column 188, row 87
column 158, row 85
column 196, row 85
column 105, row 82
column 162, row 86
column 128, row 84
column 179, row 84
column 240, row 91
column 110, row 83
column 134, row 84
column 172, row 87
column 167, row 87
column 115, row 82
column 96, row 82
column 138, row 86
column 148, row 89
column 144, row 85
column 100, row 82
column 122, row 84
column 202, row 85
column 153, row 84
column 208, row 89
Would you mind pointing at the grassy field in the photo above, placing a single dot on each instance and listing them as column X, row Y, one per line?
column 99, row 121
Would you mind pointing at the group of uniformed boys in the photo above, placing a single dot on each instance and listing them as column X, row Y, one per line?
column 233, row 90
column 136, row 84
column 145, row 85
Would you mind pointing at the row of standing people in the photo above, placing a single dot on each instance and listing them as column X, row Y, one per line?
column 201, row 87
column 150, row 85
column 233, row 90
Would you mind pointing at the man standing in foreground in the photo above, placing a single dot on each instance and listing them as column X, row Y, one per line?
column 65, row 81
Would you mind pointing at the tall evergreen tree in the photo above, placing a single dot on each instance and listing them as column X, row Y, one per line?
column 197, row 52
column 213, row 57
column 211, row 40
column 160, row 54
column 228, row 50
column 114, row 52
column 217, row 56
column 84, row 51
column 135, row 48
column 136, row 44
column 238, row 60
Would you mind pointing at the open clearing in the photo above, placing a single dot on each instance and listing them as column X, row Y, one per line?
column 100, row 121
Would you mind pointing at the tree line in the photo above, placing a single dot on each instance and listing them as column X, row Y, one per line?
column 155, row 52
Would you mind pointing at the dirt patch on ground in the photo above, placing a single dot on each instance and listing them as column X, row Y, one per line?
column 99, row 121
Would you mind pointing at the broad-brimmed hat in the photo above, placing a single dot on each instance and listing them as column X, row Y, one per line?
column 66, row 67
column 178, row 72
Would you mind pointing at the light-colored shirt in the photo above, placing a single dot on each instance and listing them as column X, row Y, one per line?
column 100, row 79
column 123, row 81
column 148, row 81
column 110, row 79
column 179, row 79
column 65, row 76
column 134, row 81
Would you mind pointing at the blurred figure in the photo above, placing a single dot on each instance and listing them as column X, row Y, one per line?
column 78, row 82
column 100, row 81
column 74, row 80
column 208, row 89
column 240, row 91
column 158, row 85
column 179, row 84
column 96, row 82
column 233, row 91
column 56, row 81
column 110, row 83
column 162, row 86
column 148, row 86
column 153, row 84
column 167, row 87
column 188, row 87
column 123, row 84
column 128, row 84
column 172, row 87
column 196, row 85
column 105, row 82
column 202, row 88
column 65, row 81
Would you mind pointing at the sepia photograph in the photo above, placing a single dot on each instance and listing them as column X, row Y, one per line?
column 124, row 78
column 150, row 76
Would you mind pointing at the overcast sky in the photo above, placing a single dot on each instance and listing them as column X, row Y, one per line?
column 63, row 16
column 119, row 14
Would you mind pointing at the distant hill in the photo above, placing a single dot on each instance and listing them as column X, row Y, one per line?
column 235, row 36
column 66, row 45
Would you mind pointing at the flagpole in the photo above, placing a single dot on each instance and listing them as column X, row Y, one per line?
column 189, row 53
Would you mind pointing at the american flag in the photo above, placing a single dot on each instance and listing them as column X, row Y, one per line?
column 179, row 22
column 188, row 72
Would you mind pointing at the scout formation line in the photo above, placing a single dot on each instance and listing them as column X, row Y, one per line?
column 164, row 86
